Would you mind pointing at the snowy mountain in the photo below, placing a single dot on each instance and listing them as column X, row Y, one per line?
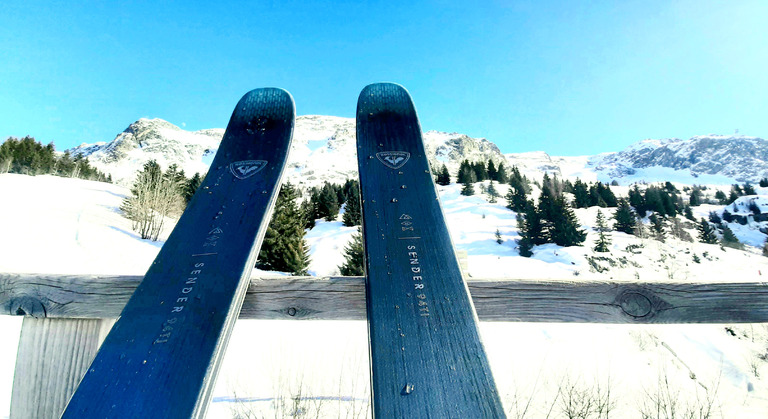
column 324, row 150
column 737, row 157
column 152, row 139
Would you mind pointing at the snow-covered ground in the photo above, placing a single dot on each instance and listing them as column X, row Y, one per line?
column 60, row 225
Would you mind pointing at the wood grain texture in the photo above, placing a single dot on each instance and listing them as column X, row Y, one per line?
column 52, row 358
column 343, row 298
column 161, row 357
column 427, row 358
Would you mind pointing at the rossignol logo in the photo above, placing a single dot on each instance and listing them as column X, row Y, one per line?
column 247, row 168
column 393, row 159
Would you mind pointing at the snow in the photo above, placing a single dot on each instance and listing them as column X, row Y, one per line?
column 58, row 225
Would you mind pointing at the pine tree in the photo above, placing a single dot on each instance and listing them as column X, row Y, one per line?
column 502, row 176
column 657, row 227
column 603, row 241
column 525, row 244
column 721, row 198
column 637, row 201
column 468, row 189
column 580, row 194
column 764, row 182
column 749, row 189
column 730, row 239
column 493, row 174
column 706, row 232
column 284, row 248
column 464, row 174
column 352, row 212
column 565, row 229
column 354, row 259
column 492, row 193
column 191, row 187
column 443, row 178
column 328, row 203
column 499, row 240
column 625, row 217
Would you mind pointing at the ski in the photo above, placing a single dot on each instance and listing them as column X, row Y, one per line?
column 427, row 359
column 161, row 358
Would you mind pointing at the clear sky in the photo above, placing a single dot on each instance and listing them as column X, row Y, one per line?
column 566, row 77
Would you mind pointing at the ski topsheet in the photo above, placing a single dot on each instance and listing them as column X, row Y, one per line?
column 161, row 357
column 427, row 359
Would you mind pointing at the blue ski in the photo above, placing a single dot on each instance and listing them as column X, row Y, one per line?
column 161, row 358
column 427, row 360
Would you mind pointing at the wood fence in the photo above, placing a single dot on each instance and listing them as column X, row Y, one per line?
column 67, row 316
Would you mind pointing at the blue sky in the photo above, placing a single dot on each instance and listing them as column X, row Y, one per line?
column 569, row 78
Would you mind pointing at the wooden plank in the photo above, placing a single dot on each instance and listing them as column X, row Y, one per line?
column 52, row 358
column 343, row 298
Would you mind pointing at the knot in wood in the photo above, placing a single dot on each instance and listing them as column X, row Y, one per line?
column 27, row 306
column 635, row 304
column 292, row 311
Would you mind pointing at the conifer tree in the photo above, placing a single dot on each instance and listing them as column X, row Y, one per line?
column 580, row 194
column 492, row 193
column 637, row 201
column 354, row 258
column 468, row 189
column 443, row 178
column 525, row 244
column 465, row 173
column 603, row 240
column 352, row 212
column 730, row 239
column 706, row 232
column 284, row 248
column 498, row 237
column 328, row 203
column 689, row 213
column 493, row 174
column 657, row 227
column 721, row 198
column 625, row 217
column 502, row 176
column 191, row 187
column 749, row 189
column 565, row 229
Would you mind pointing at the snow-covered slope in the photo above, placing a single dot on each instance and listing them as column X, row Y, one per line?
column 73, row 226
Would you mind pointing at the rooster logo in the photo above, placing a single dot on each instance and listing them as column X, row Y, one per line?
column 247, row 168
column 393, row 159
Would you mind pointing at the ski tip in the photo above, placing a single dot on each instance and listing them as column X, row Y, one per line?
column 279, row 98
column 373, row 96
column 383, row 88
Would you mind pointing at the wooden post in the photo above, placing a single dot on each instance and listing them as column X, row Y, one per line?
column 52, row 358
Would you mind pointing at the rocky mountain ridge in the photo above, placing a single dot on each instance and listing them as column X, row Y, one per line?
column 324, row 150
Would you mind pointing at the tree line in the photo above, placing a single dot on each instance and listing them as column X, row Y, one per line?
column 29, row 157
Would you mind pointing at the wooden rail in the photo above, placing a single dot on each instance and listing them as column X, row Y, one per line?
column 343, row 298
column 67, row 316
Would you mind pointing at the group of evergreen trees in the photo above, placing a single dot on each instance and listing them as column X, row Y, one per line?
column 551, row 221
column 285, row 249
column 29, row 157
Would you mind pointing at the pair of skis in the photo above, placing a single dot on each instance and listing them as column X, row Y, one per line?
column 161, row 358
